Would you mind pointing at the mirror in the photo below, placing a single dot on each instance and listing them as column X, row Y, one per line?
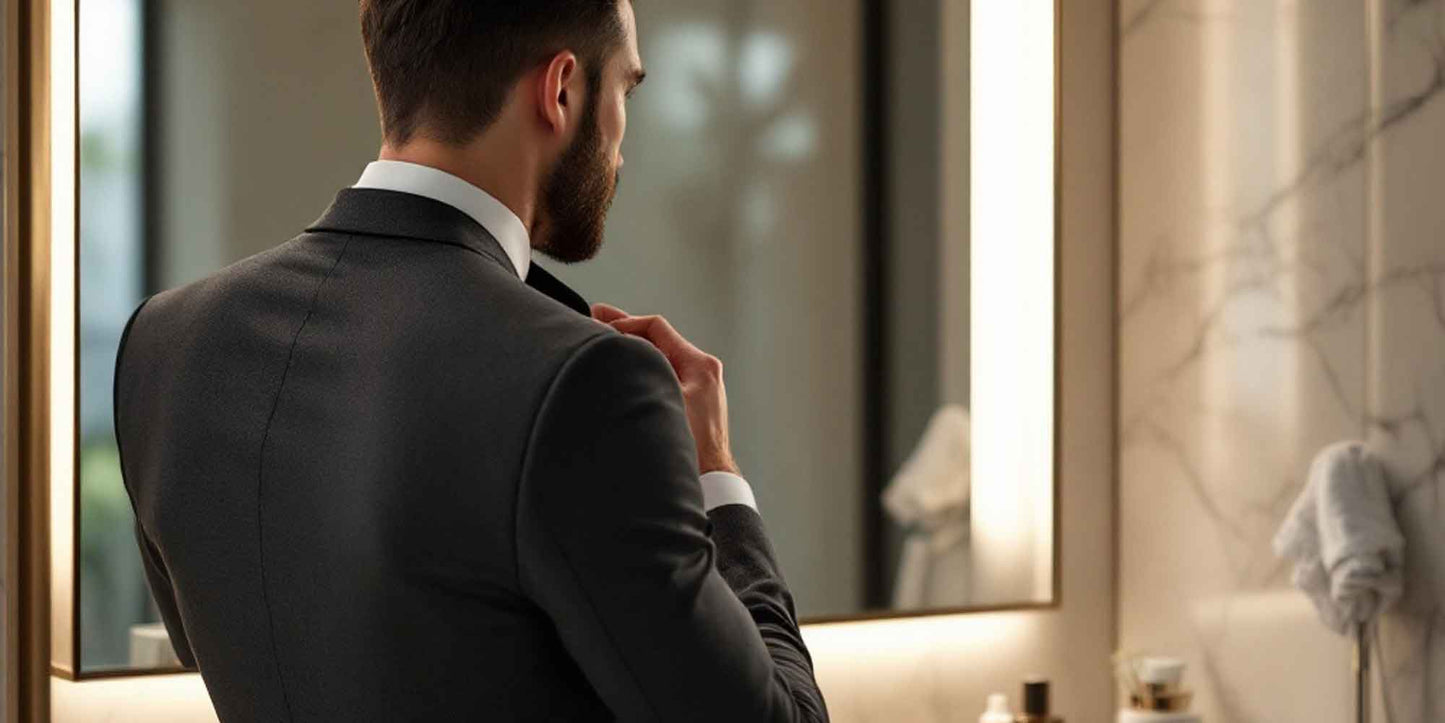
column 797, row 201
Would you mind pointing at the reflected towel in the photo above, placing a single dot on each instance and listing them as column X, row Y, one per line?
column 928, row 498
column 1342, row 536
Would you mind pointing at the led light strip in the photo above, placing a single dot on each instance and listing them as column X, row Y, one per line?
column 63, row 199
column 1012, row 247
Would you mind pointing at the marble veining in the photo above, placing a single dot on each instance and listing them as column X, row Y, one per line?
column 1140, row 16
column 1153, row 11
column 1282, row 265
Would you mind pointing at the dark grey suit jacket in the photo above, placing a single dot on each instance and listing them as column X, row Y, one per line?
column 377, row 477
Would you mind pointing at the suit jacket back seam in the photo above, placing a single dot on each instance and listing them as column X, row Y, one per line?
column 261, row 477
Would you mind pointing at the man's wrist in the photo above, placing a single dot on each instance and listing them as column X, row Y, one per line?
column 725, row 467
column 722, row 462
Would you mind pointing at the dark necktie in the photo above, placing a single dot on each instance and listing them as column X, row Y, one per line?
column 539, row 279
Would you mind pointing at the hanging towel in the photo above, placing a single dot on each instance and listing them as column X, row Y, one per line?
column 1343, row 539
column 928, row 498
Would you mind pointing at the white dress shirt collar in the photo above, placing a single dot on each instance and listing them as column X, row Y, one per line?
column 439, row 185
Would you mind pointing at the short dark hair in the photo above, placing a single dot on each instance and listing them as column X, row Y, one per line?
column 448, row 65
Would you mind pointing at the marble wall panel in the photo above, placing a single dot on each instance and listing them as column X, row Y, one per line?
column 1282, row 259
column 1406, row 363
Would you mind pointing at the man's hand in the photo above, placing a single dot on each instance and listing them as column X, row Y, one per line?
column 698, row 373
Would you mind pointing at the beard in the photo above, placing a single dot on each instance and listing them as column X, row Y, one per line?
column 577, row 195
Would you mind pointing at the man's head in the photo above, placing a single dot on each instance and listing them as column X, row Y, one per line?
column 526, row 99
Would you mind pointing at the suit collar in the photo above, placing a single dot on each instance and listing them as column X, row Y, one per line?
column 434, row 183
column 376, row 212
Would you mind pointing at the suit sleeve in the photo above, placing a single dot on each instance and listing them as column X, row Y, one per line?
column 613, row 544
column 159, row 581
column 157, row 578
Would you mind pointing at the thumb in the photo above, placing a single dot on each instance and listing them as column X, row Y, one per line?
column 606, row 313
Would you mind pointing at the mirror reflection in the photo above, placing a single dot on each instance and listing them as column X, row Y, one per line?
column 756, row 212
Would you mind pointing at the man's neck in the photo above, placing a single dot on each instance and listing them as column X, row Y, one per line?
column 504, row 173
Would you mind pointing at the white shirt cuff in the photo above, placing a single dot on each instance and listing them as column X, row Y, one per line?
column 725, row 488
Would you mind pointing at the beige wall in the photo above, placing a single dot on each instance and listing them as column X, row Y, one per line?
column 942, row 668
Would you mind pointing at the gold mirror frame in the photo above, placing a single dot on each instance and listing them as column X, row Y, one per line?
column 26, row 329
column 42, row 479
column 53, row 421
column 875, row 162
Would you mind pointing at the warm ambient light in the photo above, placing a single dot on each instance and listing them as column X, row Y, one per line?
column 911, row 668
column 875, row 642
column 1012, row 248
column 63, row 199
column 154, row 699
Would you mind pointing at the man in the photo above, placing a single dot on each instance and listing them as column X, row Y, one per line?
column 390, row 470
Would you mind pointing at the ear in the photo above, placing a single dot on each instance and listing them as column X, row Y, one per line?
column 559, row 92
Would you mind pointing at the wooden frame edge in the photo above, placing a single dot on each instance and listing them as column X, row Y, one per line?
column 27, row 255
column 10, row 365
column 27, row 230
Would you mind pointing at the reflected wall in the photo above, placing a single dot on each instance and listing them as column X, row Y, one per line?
column 112, row 177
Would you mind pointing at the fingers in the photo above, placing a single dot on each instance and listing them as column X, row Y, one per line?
column 607, row 313
column 658, row 331
column 655, row 329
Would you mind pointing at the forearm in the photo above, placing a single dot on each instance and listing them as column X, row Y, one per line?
column 746, row 561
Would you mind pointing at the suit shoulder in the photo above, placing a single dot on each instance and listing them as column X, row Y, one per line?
column 215, row 287
column 612, row 351
column 534, row 317
column 613, row 365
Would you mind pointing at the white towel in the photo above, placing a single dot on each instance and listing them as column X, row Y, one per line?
column 1342, row 536
column 929, row 497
